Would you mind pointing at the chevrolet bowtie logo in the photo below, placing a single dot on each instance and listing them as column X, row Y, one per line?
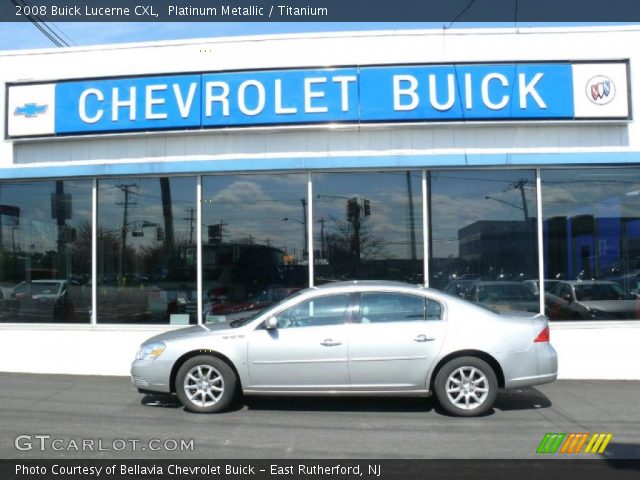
column 31, row 110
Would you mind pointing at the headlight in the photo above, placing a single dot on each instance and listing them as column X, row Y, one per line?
column 150, row 351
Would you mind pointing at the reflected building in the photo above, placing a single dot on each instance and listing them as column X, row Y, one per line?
column 492, row 249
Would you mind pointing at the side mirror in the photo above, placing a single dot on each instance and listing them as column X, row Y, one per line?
column 271, row 323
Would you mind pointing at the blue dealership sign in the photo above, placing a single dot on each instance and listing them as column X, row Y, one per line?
column 466, row 92
column 145, row 103
column 280, row 97
column 358, row 95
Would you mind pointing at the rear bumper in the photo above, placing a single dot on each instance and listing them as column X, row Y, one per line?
column 535, row 366
column 535, row 380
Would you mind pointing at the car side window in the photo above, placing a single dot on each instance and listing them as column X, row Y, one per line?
column 319, row 311
column 434, row 310
column 565, row 291
column 396, row 307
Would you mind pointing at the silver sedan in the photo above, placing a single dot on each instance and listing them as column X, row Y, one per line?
column 353, row 338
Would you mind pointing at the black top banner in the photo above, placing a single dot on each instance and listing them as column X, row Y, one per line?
column 445, row 11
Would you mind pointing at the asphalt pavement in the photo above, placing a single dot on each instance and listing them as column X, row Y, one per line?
column 66, row 416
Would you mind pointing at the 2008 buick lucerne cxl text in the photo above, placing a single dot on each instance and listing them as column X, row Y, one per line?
column 353, row 338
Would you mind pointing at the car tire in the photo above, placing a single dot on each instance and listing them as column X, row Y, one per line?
column 206, row 384
column 466, row 387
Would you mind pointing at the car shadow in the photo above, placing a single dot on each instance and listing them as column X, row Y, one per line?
column 171, row 401
column 521, row 399
column 341, row 404
column 166, row 401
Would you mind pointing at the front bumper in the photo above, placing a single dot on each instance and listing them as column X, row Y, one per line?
column 151, row 375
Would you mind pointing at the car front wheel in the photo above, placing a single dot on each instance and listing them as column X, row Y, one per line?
column 205, row 384
column 466, row 387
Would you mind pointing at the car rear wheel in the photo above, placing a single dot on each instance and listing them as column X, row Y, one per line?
column 205, row 384
column 466, row 386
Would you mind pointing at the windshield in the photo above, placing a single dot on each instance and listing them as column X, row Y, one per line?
column 505, row 292
column 599, row 292
column 244, row 321
column 42, row 288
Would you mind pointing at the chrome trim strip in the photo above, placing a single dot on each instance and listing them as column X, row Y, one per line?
column 383, row 359
column 339, row 392
column 285, row 362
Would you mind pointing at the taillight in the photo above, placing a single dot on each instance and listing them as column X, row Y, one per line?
column 543, row 336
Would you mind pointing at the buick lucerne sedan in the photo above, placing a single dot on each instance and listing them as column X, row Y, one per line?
column 353, row 338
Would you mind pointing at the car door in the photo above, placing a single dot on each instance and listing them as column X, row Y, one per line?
column 394, row 340
column 308, row 350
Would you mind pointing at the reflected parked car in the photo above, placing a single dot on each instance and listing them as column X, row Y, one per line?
column 503, row 296
column 535, row 288
column 174, row 293
column 591, row 300
column 630, row 281
column 45, row 301
column 9, row 305
column 217, row 305
column 459, row 287
column 346, row 338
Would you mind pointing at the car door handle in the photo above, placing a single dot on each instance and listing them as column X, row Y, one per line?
column 423, row 338
column 330, row 343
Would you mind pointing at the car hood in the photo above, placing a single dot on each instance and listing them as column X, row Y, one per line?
column 515, row 306
column 612, row 306
column 213, row 329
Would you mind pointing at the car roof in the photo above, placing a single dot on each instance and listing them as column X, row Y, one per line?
column 53, row 280
column 588, row 282
column 367, row 284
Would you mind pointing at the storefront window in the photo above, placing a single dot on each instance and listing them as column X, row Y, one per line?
column 147, row 250
column 368, row 226
column 254, row 242
column 592, row 243
column 45, row 252
column 483, row 237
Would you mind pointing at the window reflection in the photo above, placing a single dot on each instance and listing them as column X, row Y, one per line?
column 592, row 243
column 147, row 250
column 368, row 226
column 45, row 251
column 483, row 237
column 254, row 243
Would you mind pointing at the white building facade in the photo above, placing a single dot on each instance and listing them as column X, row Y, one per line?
column 148, row 186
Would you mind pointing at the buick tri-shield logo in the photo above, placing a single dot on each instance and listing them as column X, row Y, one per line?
column 601, row 90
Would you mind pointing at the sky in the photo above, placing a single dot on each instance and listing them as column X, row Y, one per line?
column 24, row 35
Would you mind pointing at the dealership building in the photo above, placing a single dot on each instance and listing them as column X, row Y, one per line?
column 144, row 187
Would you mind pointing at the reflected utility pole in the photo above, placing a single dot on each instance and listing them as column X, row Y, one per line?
column 127, row 189
column 412, row 221
column 305, row 254
column 167, row 213
column 322, row 240
column 191, row 218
